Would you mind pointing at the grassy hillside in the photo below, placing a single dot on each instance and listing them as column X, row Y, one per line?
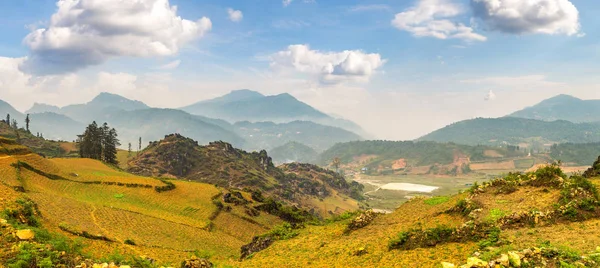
column 111, row 212
column 221, row 164
column 498, row 131
column 293, row 152
column 562, row 107
column 42, row 146
column 527, row 220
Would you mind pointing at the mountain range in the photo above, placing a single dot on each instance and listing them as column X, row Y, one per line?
column 560, row 119
column 276, row 120
column 563, row 107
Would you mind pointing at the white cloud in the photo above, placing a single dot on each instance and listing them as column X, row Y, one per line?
column 373, row 7
column 431, row 18
column 235, row 15
column 171, row 65
column 286, row 2
column 89, row 32
column 531, row 16
column 490, row 96
column 328, row 67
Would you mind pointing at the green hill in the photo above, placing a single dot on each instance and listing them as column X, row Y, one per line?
column 420, row 153
column 511, row 130
column 562, row 107
column 221, row 164
column 582, row 154
column 293, row 152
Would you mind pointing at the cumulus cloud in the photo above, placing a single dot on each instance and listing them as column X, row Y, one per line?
column 89, row 32
column 490, row 96
column 286, row 2
column 234, row 15
column 328, row 67
column 432, row 18
column 531, row 16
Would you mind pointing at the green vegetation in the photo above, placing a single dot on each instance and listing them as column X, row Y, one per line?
column 99, row 143
column 293, row 152
column 436, row 200
column 582, row 154
column 422, row 153
column 496, row 131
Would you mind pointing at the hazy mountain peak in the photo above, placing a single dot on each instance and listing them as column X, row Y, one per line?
column 106, row 99
column 562, row 107
column 42, row 108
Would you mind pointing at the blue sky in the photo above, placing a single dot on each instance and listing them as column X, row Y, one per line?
column 398, row 68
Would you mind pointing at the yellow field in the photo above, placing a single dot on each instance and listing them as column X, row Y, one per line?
column 167, row 226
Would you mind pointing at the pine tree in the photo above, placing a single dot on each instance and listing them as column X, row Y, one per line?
column 15, row 125
column 140, row 145
column 27, row 123
column 8, row 119
column 129, row 149
column 99, row 143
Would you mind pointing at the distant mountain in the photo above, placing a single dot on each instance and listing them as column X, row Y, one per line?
column 43, row 108
column 6, row 108
column 52, row 125
column 55, row 126
column 132, row 119
column 101, row 104
column 293, row 152
column 153, row 123
column 563, row 107
column 511, row 130
column 267, row 135
column 248, row 105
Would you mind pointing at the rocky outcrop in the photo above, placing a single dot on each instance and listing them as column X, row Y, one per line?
column 361, row 221
column 258, row 243
column 195, row 262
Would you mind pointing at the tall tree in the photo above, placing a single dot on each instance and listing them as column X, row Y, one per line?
column 140, row 144
column 27, row 123
column 15, row 125
column 8, row 119
column 99, row 142
column 129, row 148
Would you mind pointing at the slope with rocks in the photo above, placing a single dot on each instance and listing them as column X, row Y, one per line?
column 521, row 220
column 221, row 164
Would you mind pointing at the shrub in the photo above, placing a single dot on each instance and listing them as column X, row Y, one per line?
column 436, row 200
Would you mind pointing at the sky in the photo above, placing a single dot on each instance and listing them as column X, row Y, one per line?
column 400, row 69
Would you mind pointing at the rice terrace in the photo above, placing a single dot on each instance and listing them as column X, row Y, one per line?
column 299, row 133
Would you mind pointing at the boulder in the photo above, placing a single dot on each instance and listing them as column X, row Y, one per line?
column 448, row 265
column 514, row 258
column 195, row 262
column 476, row 262
column 503, row 260
column 25, row 234
column 258, row 243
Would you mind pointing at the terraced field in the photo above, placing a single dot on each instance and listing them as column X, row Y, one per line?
column 83, row 195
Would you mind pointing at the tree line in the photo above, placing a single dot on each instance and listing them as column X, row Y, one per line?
column 99, row 142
